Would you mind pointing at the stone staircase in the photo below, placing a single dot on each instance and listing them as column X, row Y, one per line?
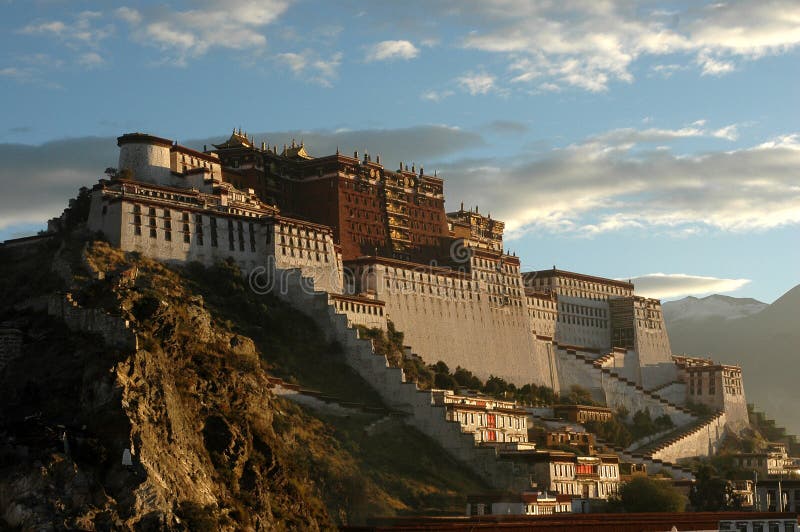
column 654, row 465
column 693, row 436
column 633, row 387
column 420, row 412
column 390, row 383
column 662, row 386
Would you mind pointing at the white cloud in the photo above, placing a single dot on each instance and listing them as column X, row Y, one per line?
column 91, row 60
column 312, row 67
column 388, row 50
column 605, row 185
column 228, row 24
column 630, row 136
column 477, row 83
column 129, row 15
column 11, row 72
column 83, row 30
column 730, row 132
column 591, row 44
column 675, row 285
column 28, row 74
column 712, row 66
column 436, row 96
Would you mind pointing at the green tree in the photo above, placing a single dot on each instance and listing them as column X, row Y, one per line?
column 498, row 387
column 444, row 381
column 441, row 367
column 710, row 493
column 577, row 395
column 466, row 379
column 644, row 494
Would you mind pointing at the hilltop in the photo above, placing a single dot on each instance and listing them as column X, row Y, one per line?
column 211, row 446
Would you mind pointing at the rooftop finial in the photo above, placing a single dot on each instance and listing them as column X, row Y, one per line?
column 293, row 143
column 337, row 149
column 378, row 158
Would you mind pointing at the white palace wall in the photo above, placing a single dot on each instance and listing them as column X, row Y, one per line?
column 583, row 322
column 455, row 319
column 175, row 227
column 573, row 369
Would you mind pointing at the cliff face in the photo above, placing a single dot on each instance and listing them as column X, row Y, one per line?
column 182, row 430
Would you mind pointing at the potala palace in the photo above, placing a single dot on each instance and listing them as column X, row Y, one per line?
column 351, row 242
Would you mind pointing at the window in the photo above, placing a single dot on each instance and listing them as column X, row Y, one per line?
column 213, row 222
column 230, row 235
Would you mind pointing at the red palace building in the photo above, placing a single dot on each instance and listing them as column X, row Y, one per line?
column 371, row 210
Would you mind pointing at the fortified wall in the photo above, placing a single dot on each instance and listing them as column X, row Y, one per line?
column 382, row 248
column 475, row 320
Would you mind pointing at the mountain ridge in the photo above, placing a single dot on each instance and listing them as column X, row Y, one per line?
column 764, row 343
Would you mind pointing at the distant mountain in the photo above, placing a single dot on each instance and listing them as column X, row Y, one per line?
column 713, row 306
column 765, row 341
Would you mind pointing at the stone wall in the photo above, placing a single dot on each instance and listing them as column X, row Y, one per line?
column 583, row 322
column 116, row 331
column 652, row 344
column 396, row 392
column 168, row 226
column 360, row 311
column 575, row 368
column 456, row 319
column 704, row 440
column 10, row 346
column 674, row 392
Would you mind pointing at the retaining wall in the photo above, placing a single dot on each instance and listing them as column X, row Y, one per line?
column 704, row 440
column 116, row 331
column 396, row 392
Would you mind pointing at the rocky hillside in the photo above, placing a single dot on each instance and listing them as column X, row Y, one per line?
column 765, row 343
column 183, row 431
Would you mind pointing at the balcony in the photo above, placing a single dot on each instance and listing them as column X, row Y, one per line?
column 398, row 222
column 396, row 235
column 397, row 209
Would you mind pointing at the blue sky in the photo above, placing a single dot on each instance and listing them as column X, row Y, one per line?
column 615, row 138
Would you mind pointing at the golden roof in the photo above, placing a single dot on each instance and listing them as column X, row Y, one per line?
column 296, row 151
column 236, row 140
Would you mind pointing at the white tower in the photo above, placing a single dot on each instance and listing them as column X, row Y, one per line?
column 146, row 156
